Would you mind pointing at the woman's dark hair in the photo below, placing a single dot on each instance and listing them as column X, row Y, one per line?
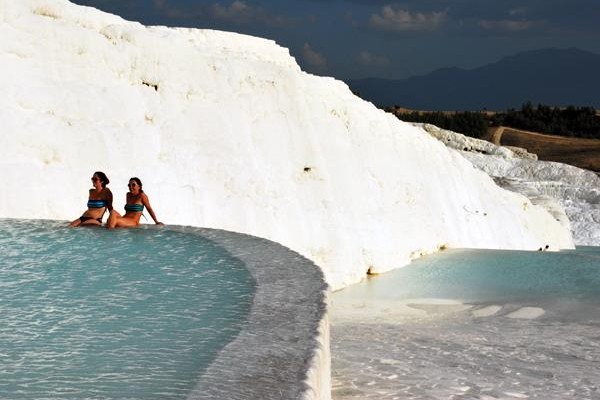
column 103, row 178
column 138, row 181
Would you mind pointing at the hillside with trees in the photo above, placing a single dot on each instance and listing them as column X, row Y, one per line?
column 572, row 121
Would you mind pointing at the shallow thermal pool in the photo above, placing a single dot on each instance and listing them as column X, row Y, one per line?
column 123, row 314
column 472, row 324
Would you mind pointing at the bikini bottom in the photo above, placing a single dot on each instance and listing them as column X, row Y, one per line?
column 83, row 219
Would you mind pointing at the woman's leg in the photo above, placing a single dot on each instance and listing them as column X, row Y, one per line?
column 112, row 219
column 75, row 223
column 124, row 222
column 116, row 221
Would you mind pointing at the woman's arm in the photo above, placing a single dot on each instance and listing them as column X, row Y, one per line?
column 109, row 199
column 146, row 203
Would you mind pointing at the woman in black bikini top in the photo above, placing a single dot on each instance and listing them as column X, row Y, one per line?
column 99, row 201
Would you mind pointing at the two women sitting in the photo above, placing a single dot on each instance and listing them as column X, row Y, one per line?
column 100, row 200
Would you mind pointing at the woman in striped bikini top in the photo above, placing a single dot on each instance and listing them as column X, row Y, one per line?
column 99, row 201
column 136, row 201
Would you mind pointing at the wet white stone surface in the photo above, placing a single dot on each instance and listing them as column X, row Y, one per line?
column 541, row 341
column 460, row 356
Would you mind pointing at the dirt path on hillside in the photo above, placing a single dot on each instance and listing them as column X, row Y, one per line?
column 580, row 152
column 497, row 135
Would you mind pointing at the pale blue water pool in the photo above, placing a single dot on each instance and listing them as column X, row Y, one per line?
column 472, row 324
column 123, row 314
column 496, row 276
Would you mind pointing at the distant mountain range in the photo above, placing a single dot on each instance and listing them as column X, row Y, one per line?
column 556, row 77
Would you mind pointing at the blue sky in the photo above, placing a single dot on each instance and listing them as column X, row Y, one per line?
column 351, row 39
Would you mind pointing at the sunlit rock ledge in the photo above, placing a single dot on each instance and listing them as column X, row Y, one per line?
column 227, row 132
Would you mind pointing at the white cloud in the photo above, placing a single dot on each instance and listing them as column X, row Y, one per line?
column 392, row 19
column 240, row 12
column 517, row 11
column 371, row 60
column 506, row 25
column 314, row 59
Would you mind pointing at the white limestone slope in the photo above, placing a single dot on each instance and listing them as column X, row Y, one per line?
column 226, row 131
column 571, row 194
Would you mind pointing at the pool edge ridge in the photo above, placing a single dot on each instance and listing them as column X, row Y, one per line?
column 292, row 357
column 318, row 377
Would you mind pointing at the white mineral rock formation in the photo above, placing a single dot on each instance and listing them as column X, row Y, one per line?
column 226, row 131
column 555, row 186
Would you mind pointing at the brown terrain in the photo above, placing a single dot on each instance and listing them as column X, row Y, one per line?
column 582, row 153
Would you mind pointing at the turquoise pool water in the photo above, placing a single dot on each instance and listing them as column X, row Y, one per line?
column 123, row 314
column 495, row 276
column 472, row 324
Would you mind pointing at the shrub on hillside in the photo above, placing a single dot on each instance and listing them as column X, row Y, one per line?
column 472, row 124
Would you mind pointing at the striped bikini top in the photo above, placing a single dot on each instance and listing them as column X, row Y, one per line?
column 97, row 203
column 135, row 207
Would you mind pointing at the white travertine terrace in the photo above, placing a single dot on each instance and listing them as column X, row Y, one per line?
column 227, row 132
column 569, row 193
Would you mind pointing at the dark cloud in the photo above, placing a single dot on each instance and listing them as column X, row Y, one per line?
column 506, row 25
column 313, row 59
column 368, row 59
column 193, row 13
column 387, row 38
column 561, row 13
